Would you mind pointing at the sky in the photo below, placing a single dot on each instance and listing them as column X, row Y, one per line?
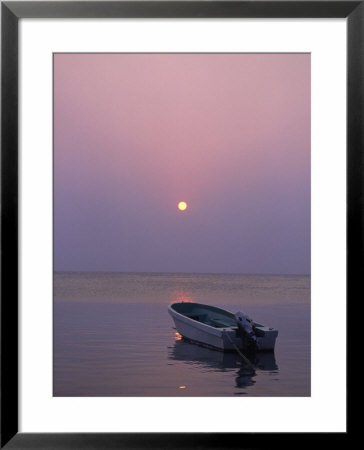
column 229, row 134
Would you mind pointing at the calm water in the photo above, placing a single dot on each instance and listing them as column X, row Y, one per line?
column 114, row 337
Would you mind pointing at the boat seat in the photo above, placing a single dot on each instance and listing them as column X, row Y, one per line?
column 220, row 323
column 213, row 321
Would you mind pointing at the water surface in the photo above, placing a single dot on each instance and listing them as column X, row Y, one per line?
column 114, row 337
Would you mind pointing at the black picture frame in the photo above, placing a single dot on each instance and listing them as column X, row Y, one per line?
column 11, row 12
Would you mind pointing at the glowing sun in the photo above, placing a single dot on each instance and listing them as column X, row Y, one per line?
column 182, row 206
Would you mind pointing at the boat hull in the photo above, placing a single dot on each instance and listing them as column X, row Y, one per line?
column 221, row 338
column 204, row 334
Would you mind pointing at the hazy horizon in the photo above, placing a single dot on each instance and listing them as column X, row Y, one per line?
column 183, row 273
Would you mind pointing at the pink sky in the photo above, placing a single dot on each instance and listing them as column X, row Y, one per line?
column 134, row 134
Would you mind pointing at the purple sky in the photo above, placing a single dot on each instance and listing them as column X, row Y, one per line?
column 134, row 134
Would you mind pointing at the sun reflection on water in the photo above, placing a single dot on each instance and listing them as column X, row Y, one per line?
column 181, row 297
column 178, row 336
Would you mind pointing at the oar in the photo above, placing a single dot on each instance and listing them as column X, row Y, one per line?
column 248, row 363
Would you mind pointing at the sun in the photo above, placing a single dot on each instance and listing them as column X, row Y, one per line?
column 182, row 206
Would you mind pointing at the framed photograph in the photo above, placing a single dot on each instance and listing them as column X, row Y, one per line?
column 181, row 221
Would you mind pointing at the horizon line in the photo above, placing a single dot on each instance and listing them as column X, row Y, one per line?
column 184, row 273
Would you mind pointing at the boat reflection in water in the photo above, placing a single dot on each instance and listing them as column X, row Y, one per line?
column 218, row 361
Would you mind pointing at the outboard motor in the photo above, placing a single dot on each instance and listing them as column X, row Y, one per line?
column 245, row 325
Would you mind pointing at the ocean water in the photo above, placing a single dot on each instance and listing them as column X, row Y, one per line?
column 114, row 337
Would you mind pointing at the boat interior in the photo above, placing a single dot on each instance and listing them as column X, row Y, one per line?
column 208, row 315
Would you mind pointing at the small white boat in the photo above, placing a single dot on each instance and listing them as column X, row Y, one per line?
column 221, row 329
